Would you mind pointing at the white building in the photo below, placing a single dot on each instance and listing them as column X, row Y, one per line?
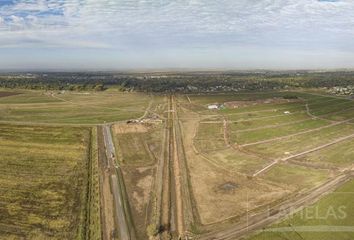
column 213, row 107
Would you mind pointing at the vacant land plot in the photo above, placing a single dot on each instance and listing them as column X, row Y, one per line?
column 269, row 121
column 43, row 182
column 73, row 107
column 294, row 177
column 219, row 192
column 210, row 137
column 279, row 131
column 303, row 142
column 235, row 160
column 267, row 130
column 137, row 143
column 335, row 156
column 330, row 218
column 139, row 147
column 333, row 106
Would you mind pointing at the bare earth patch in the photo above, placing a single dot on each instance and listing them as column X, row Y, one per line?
column 130, row 128
column 138, row 181
column 7, row 94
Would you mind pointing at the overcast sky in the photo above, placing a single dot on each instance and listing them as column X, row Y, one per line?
column 218, row 34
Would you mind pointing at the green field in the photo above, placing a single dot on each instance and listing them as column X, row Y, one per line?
column 43, row 182
column 269, row 121
column 72, row 107
column 303, row 142
column 336, row 156
column 273, row 132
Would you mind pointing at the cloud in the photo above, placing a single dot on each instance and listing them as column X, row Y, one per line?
column 136, row 25
column 171, row 19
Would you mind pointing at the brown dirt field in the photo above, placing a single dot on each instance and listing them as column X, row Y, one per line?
column 138, row 182
column 214, row 204
column 130, row 128
column 238, row 104
column 7, row 94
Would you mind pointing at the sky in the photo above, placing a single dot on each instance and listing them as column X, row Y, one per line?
column 180, row 34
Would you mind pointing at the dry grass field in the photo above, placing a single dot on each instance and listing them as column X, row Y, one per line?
column 43, row 182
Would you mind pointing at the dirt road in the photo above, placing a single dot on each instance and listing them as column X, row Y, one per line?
column 172, row 184
column 164, row 213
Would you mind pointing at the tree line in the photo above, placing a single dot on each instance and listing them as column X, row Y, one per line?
column 177, row 82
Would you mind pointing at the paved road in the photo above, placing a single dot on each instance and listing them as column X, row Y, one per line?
column 108, row 142
column 119, row 209
column 120, row 216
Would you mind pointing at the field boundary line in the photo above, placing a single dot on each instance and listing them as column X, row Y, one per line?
column 303, row 153
column 280, row 109
column 272, row 126
column 296, row 134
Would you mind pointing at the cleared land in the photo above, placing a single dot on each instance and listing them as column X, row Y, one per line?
column 138, row 148
column 252, row 131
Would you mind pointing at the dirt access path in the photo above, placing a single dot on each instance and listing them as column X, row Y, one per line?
column 163, row 211
column 174, row 206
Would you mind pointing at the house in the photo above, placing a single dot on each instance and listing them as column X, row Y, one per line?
column 286, row 112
